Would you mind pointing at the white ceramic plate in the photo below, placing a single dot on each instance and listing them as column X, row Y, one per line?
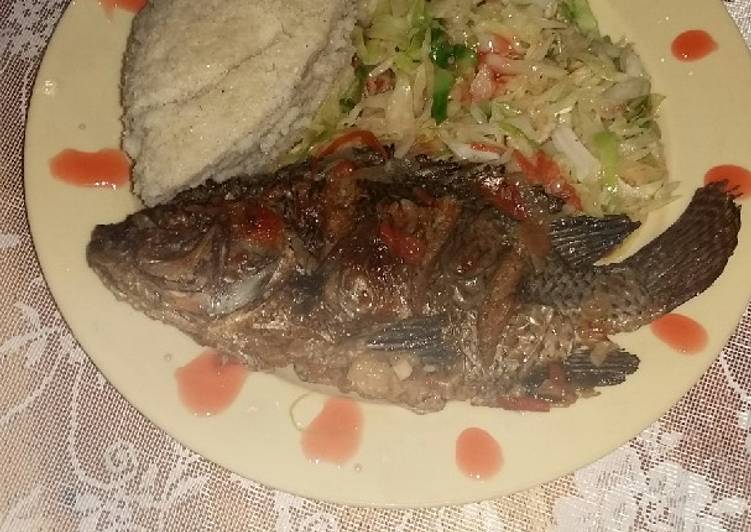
column 404, row 459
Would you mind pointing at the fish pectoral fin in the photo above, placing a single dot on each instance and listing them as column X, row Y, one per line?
column 423, row 336
column 586, row 367
column 583, row 240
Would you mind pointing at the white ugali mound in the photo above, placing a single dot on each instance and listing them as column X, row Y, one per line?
column 219, row 87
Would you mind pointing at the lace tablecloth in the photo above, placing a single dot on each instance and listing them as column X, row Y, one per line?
column 74, row 455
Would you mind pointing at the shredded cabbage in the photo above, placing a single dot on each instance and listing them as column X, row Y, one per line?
column 478, row 81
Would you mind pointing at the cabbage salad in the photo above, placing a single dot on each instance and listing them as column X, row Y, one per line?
column 527, row 83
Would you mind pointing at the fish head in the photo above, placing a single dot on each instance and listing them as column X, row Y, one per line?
column 205, row 260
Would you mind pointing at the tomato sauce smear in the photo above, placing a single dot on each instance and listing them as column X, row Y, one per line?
column 693, row 45
column 210, row 383
column 478, row 454
column 103, row 168
column 334, row 435
column 680, row 332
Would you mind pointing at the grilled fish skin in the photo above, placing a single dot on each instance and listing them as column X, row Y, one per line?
column 413, row 281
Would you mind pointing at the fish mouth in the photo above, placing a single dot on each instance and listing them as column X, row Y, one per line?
column 110, row 257
column 106, row 249
column 107, row 254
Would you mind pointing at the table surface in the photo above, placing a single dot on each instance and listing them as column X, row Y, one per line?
column 76, row 456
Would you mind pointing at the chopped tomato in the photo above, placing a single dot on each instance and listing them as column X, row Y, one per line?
column 342, row 168
column 360, row 136
column 523, row 403
column 544, row 171
column 405, row 246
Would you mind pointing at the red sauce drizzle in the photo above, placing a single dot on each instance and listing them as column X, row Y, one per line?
column 738, row 178
column 478, row 455
column 134, row 6
column 507, row 199
column 103, row 168
column 266, row 227
column 681, row 333
column 334, row 435
column 255, row 222
column 693, row 45
column 210, row 382
column 405, row 246
column 360, row 136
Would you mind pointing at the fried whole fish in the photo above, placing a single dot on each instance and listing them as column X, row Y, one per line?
column 412, row 281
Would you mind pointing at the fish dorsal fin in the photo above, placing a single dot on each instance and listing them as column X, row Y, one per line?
column 583, row 240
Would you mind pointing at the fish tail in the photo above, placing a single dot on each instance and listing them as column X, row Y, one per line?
column 687, row 258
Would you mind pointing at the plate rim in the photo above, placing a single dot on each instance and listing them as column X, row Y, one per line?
column 44, row 266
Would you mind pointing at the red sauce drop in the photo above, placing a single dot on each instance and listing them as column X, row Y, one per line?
column 681, row 333
column 478, row 455
column 693, row 45
column 134, row 6
column 334, row 435
column 103, row 168
column 738, row 178
column 210, row 382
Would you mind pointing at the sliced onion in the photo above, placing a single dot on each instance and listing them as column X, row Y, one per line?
column 504, row 65
column 400, row 116
column 626, row 90
column 465, row 151
column 631, row 64
column 586, row 166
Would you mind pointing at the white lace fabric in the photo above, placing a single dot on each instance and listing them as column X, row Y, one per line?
column 96, row 464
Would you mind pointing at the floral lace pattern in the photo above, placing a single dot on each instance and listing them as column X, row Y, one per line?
column 77, row 456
